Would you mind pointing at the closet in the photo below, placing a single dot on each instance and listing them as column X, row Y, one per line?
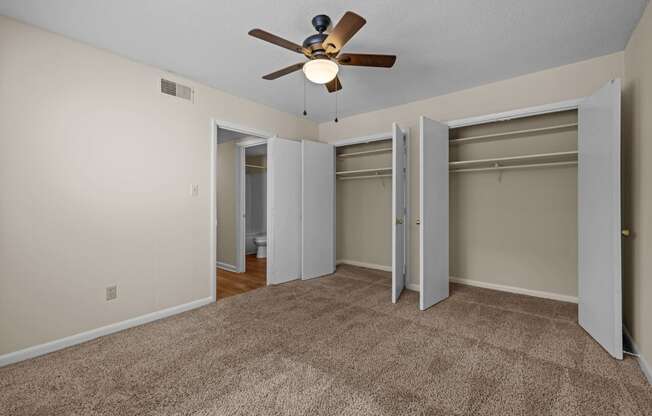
column 369, row 203
column 530, row 199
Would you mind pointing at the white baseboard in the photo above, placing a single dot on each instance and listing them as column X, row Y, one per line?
column 48, row 347
column 503, row 288
column 227, row 267
column 365, row 265
column 642, row 362
column 517, row 290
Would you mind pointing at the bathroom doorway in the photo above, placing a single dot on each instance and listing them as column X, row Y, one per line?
column 253, row 208
column 241, row 212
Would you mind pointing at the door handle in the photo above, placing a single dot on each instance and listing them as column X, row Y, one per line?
column 626, row 232
column 418, row 221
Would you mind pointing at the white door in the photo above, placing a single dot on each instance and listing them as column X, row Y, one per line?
column 599, row 224
column 283, row 210
column 399, row 211
column 433, row 208
column 317, row 209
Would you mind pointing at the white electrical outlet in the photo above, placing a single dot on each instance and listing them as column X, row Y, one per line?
column 194, row 190
column 111, row 292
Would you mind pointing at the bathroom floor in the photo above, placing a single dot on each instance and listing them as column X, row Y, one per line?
column 254, row 277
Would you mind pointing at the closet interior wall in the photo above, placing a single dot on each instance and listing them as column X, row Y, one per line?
column 516, row 227
column 364, row 205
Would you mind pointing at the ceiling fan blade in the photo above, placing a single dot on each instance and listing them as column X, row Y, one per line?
column 283, row 43
column 348, row 26
column 334, row 85
column 365, row 59
column 284, row 71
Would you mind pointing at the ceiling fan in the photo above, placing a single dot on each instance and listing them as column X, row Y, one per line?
column 322, row 50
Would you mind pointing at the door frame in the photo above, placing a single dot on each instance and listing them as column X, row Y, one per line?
column 555, row 107
column 241, row 202
column 388, row 135
column 215, row 125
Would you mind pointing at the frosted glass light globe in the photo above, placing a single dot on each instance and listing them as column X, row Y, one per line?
column 320, row 71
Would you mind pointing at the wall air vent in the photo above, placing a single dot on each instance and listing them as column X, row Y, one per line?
column 177, row 90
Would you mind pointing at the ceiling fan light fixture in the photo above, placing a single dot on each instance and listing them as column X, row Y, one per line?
column 320, row 71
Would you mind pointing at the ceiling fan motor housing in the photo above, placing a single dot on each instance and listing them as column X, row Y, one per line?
column 314, row 43
column 321, row 22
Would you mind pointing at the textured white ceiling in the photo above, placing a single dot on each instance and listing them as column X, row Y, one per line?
column 442, row 45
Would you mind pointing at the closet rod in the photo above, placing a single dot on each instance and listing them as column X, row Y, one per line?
column 255, row 166
column 346, row 178
column 532, row 157
column 366, row 152
column 509, row 133
column 531, row 165
column 351, row 172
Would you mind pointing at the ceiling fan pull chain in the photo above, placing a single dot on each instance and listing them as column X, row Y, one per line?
column 305, row 113
column 337, row 92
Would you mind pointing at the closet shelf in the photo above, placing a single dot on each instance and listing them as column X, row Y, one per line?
column 361, row 171
column 254, row 166
column 366, row 152
column 534, row 158
column 528, row 166
column 507, row 135
column 385, row 175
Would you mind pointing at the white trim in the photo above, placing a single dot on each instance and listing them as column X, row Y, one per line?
column 642, row 362
column 517, row 290
column 227, row 267
column 48, row 347
column 253, row 142
column 238, row 128
column 365, row 265
column 512, row 114
column 364, row 139
column 213, row 213
column 407, row 205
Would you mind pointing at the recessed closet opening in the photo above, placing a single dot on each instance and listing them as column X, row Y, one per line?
column 371, row 207
column 241, row 194
column 513, row 204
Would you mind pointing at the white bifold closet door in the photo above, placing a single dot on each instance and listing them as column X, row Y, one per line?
column 283, row 210
column 599, row 222
column 399, row 211
column 318, row 209
column 433, row 230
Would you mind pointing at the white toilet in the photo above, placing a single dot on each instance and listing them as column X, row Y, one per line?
column 261, row 246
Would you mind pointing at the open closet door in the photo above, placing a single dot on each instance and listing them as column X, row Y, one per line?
column 317, row 209
column 433, row 230
column 399, row 211
column 599, row 223
column 283, row 210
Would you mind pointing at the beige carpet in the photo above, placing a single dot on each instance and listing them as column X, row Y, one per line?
column 337, row 346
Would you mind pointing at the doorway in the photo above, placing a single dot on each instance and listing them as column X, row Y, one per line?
column 240, row 211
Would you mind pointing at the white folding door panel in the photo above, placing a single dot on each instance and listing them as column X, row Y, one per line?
column 284, row 210
column 599, row 223
column 399, row 211
column 318, row 209
column 433, row 230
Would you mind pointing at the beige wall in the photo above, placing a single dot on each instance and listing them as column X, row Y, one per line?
column 557, row 84
column 637, row 191
column 95, row 170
